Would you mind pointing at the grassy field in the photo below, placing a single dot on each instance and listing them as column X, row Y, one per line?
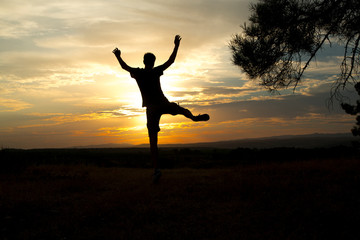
column 210, row 196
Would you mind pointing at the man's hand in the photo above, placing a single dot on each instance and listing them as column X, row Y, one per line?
column 117, row 52
column 177, row 40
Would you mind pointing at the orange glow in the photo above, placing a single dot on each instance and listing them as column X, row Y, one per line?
column 61, row 85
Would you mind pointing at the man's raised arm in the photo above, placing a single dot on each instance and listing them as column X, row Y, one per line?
column 172, row 57
column 117, row 53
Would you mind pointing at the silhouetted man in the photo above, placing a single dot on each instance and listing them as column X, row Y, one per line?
column 148, row 80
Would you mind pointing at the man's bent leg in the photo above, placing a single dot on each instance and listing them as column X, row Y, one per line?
column 176, row 109
column 186, row 113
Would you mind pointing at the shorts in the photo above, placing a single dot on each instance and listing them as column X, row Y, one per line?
column 154, row 112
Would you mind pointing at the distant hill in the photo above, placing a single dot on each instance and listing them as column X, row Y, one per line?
column 108, row 145
column 298, row 141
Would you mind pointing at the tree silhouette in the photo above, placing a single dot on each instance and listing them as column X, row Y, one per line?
column 284, row 36
column 354, row 110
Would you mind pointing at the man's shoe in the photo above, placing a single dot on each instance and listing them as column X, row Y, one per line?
column 201, row 117
column 156, row 176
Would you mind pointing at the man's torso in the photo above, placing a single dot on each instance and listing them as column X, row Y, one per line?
column 148, row 81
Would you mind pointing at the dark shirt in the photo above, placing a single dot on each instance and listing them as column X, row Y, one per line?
column 148, row 81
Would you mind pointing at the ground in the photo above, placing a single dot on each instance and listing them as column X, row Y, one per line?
column 302, row 199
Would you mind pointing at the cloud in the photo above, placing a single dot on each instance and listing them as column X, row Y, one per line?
column 13, row 105
column 12, row 30
column 124, row 111
column 123, row 132
column 51, row 119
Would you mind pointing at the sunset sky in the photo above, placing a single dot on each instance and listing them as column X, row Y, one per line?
column 61, row 86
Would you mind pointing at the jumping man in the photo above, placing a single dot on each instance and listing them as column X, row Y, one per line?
column 148, row 80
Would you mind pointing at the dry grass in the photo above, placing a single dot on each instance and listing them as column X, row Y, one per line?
column 298, row 200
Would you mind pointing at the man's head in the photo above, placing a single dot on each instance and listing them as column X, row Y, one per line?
column 149, row 60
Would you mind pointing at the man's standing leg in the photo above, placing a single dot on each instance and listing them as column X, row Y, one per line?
column 153, row 120
column 153, row 137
